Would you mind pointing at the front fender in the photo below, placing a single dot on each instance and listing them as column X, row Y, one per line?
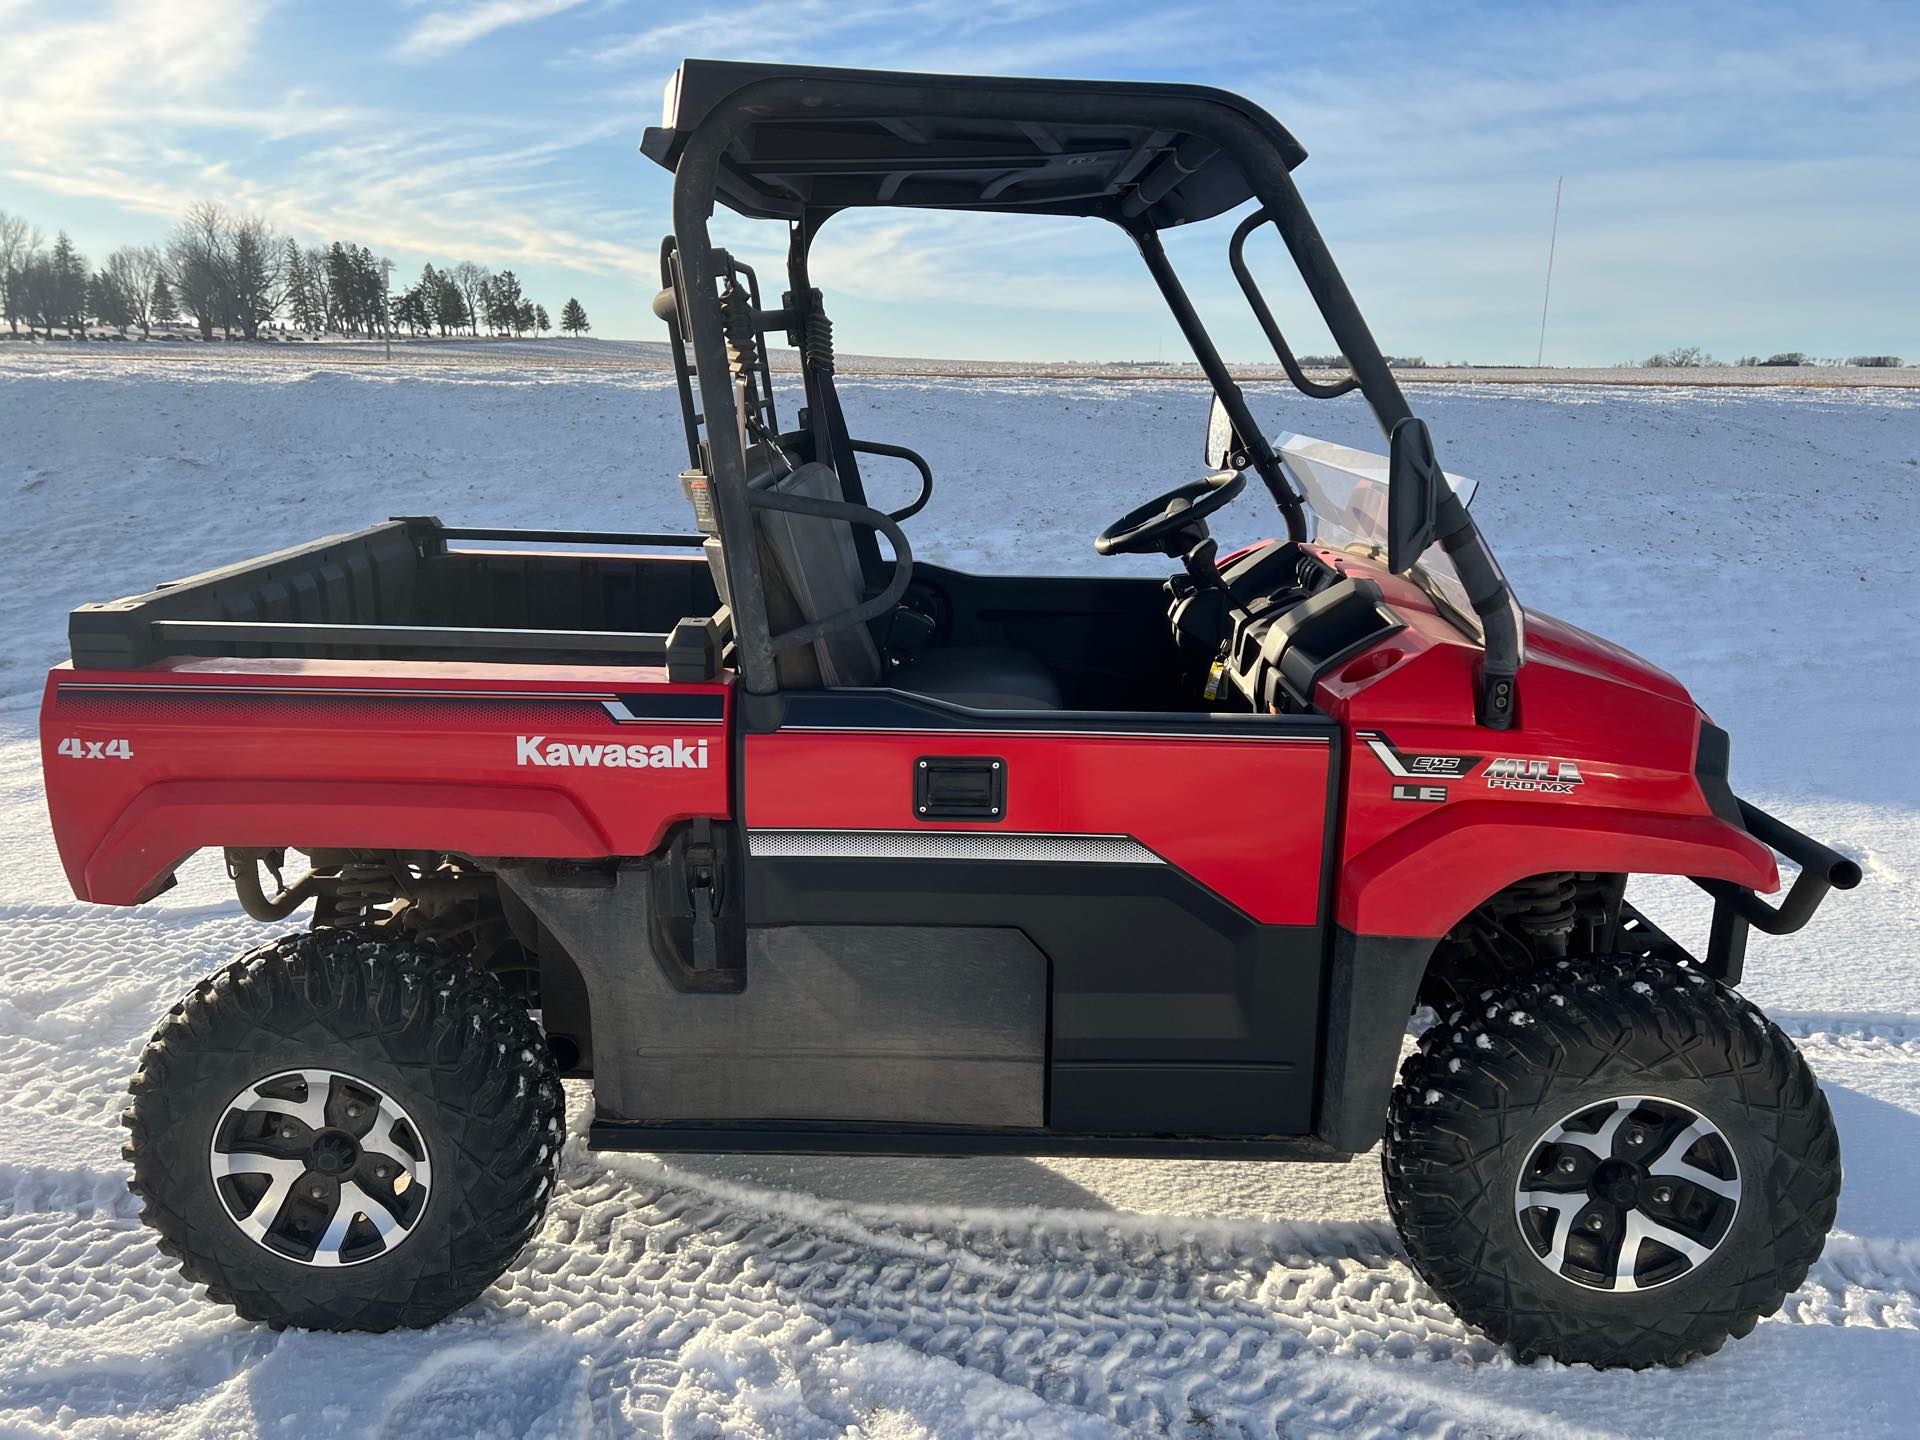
column 1420, row 880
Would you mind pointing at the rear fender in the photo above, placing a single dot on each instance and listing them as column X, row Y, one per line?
column 145, row 767
column 167, row 822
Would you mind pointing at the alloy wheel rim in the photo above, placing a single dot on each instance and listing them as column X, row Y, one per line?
column 320, row 1167
column 1627, row 1194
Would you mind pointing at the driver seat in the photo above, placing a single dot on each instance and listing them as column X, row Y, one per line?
column 810, row 569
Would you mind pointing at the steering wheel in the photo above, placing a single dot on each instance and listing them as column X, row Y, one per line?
column 1160, row 526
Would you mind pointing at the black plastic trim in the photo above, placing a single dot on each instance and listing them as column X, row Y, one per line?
column 1710, row 769
column 218, row 637
column 900, row 710
column 1150, row 970
column 668, row 707
column 797, row 1139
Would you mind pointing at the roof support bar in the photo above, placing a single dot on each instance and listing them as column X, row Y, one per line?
column 1201, row 343
column 1257, row 145
column 1257, row 302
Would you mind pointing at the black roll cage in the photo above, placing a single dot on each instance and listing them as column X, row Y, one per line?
column 711, row 159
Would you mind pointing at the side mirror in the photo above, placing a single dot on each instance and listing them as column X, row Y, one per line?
column 1413, row 494
column 1225, row 449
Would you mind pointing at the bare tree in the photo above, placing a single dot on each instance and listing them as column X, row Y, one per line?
column 19, row 243
column 200, row 255
column 319, row 290
column 126, row 287
column 144, row 270
column 472, row 281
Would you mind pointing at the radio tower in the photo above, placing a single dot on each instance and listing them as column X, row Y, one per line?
column 1547, row 294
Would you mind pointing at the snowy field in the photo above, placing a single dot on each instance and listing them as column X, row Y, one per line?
column 1760, row 544
column 558, row 352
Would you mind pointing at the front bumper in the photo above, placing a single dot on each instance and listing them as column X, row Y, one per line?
column 1737, row 909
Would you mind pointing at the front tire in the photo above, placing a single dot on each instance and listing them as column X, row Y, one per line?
column 1611, row 1161
column 345, row 1131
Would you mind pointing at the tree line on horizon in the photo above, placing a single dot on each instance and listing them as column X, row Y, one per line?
column 1688, row 357
column 229, row 273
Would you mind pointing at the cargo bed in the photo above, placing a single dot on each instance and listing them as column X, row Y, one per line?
column 418, row 589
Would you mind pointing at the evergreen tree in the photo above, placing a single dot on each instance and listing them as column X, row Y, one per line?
column 411, row 308
column 66, row 286
column 161, row 306
column 108, row 301
column 255, row 274
column 503, row 302
column 540, row 321
column 354, row 286
column 450, row 307
column 523, row 317
column 573, row 319
column 303, row 293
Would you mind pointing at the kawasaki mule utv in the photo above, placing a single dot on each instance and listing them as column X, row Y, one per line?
column 786, row 842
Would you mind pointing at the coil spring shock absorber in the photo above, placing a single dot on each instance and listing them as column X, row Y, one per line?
column 1542, row 908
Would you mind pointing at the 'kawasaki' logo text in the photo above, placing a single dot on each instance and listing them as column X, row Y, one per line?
column 678, row 755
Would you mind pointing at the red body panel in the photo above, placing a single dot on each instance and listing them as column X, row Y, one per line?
column 1163, row 792
column 367, row 754
column 1414, row 867
column 426, row 756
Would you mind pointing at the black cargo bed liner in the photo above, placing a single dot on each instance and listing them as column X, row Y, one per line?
column 398, row 590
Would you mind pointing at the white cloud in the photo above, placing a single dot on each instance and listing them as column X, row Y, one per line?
column 453, row 27
column 131, row 108
column 1704, row 168
column 901, row 34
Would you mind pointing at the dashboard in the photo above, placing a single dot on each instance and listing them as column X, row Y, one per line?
column 1287, row 617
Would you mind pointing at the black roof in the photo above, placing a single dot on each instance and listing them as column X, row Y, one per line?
column 831, row 139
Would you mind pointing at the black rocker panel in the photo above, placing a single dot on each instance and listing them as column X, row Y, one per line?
column 1171, row 1011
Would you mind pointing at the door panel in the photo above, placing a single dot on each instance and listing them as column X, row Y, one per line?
column 1169, row 868
column 1237, row 802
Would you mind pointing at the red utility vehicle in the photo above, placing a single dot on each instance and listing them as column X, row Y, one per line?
column 787, row 842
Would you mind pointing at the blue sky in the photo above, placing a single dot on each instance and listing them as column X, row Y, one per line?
column 1741, row 176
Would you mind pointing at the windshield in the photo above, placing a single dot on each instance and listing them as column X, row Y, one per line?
column 1346, row 493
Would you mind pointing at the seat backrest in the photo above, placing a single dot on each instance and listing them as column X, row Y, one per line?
column 809, row 569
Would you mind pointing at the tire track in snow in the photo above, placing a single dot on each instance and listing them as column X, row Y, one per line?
column 680, row 1298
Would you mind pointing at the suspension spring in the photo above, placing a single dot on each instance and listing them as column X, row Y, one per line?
column 1543, row 907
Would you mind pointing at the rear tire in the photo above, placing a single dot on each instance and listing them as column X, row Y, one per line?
column 1511, row 1100
column 452, row 1095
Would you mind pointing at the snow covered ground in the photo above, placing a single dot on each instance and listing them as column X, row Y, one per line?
column 1760, row 544
column 561, row 352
